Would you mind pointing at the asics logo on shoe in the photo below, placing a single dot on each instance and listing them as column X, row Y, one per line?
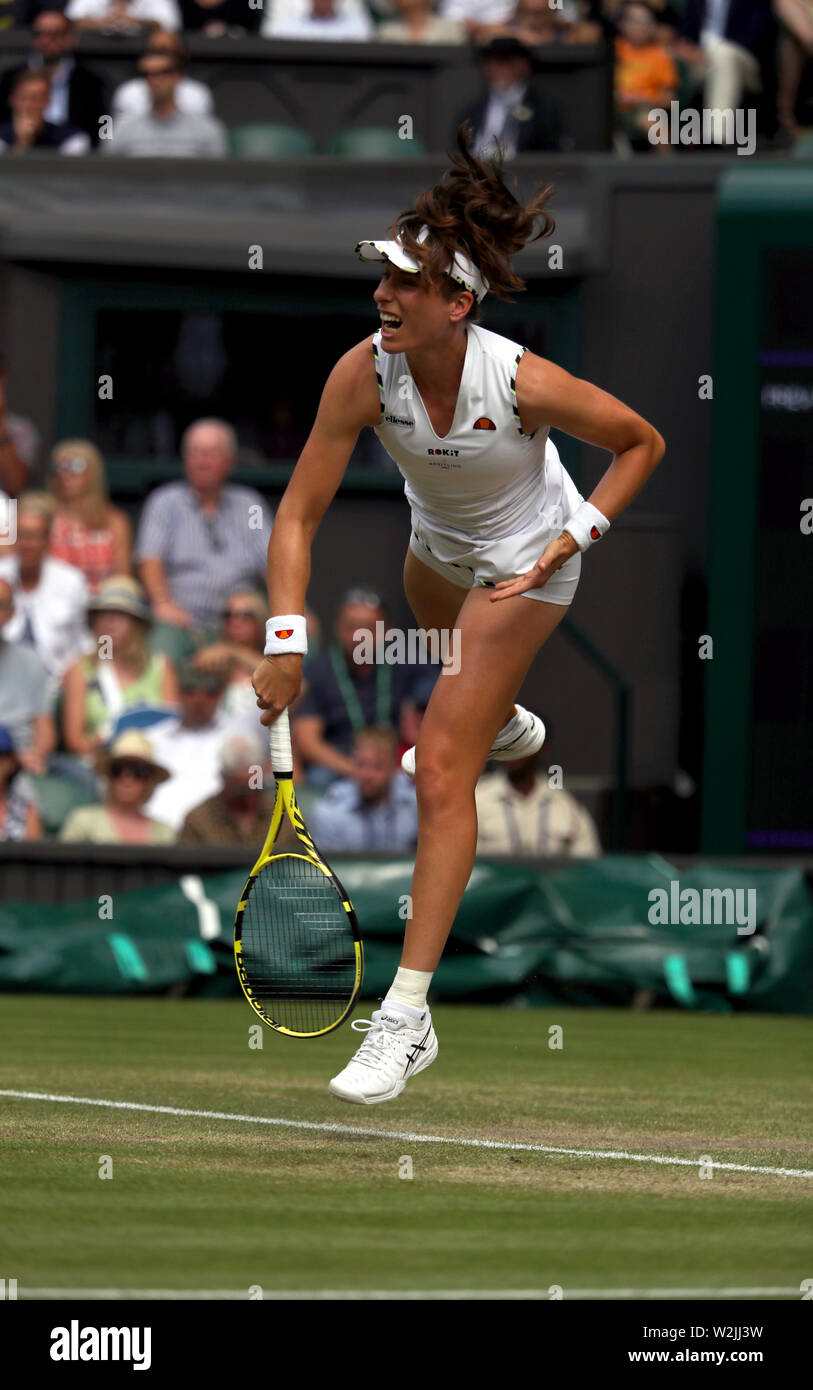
column 417, row 1049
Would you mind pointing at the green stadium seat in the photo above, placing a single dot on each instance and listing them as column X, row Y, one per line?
column 373, row 142
column 56, row 797
column 265, row 140
column 803, row 149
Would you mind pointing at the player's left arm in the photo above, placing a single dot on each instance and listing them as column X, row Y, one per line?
column 547, row 395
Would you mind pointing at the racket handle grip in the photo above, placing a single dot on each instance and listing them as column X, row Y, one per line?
column 279, row 738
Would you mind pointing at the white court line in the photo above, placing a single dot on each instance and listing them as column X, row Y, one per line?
column 405, row 1136
column 395, row 1295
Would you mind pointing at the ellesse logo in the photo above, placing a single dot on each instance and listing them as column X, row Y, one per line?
column 595, row 534
column 484, row 423
column 283, row 631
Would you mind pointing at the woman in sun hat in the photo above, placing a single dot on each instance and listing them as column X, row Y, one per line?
column 121, row 675
column 498, row 531
column 132, row 775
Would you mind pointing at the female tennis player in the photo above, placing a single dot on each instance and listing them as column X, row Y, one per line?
column 498, row 528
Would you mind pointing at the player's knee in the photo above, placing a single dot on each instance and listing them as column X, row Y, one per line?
column 441, row 777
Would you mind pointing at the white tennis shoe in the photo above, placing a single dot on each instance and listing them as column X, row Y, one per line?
column 526, row 736
column 399, row 1043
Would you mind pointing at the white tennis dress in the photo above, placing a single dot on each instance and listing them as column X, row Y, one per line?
column 485, row 498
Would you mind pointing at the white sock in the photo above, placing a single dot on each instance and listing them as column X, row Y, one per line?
column 409, row 988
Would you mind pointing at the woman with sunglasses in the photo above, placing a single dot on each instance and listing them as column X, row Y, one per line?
column 88, row 531
column 132, row 776
column 498, row 531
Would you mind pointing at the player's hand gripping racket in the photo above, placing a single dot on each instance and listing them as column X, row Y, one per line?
column 296, row 939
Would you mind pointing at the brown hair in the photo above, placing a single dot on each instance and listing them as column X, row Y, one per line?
column 471, row 210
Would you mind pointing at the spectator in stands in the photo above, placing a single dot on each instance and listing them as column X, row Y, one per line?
column 343, row 694
column 795, row 54
column 19, row 816
column 520, row 812
column 512, row 112
column 121, row 674
column 535, row 23
column 240, row 812
column 24, row 699
column 28, row 129
column 50, row 597
column 193, row 98
column 165, row 130
column 19, row 441
column 607, row 14
column 418, row 22
column 731, row 45
column 376, row 808
column 346, row 21
column 201, row 538
column 77, row 95
column 645, row 75
column 88, row 532
column 478, row 17
column 216, row 19
column 189, row 745
column 132, row 774
column 125, row 17
column 237, row 652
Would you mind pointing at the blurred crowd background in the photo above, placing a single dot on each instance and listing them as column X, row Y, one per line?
column 717, row 54
column 127, row 714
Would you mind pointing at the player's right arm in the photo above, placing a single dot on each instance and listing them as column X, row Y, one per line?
column 350, row 400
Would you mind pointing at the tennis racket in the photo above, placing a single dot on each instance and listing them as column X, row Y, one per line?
column 297, row 947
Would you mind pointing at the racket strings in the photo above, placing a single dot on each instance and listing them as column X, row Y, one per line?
column 297, row 945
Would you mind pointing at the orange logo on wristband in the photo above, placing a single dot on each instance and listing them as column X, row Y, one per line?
column 284, row 632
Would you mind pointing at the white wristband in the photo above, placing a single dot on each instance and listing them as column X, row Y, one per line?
column 587, row 525
column 286, row 633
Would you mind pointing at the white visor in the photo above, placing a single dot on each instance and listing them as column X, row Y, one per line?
column 462, row 270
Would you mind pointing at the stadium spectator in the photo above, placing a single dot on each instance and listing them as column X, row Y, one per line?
column 77, row 95
column 478, row 17
column 240, row 812
column 28, row 129
column 50, row 597
column 189, row 745
column 24, row 698
column 607, row 14
column 132, row 774
column 19, row 816
column 343, row 694
column 376, row 808
column 215, row 19
column 237, row 652
column 200, row 539
column 520, row 812
column 512, row 112
column 346, row 21
column 19, row 441
column 731, row 45
column 535, row 23
column 193, row 98
column 418, row 22
column 645, row 75
column 165, row 130
column 795, row 55
column 121, row 674
column 124, row 17
column 88, row 532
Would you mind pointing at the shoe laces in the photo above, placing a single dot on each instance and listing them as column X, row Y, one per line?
column 378, row 1043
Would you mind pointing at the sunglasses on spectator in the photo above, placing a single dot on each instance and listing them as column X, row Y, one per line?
column 74, row 465
column 238, row 613
column 121, row 767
